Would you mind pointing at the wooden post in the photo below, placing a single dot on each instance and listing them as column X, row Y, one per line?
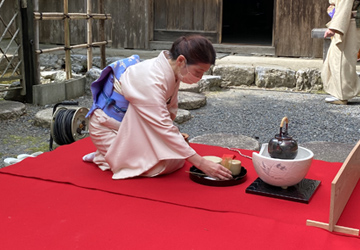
column 89, row 35
column 36, row 44
column 102, row 34
column 27, row 23
column 67, row 41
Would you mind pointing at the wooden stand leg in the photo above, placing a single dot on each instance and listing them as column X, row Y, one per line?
column 338, row 229
column 341, row 189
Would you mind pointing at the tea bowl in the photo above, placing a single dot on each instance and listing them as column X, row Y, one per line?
column 282, row 172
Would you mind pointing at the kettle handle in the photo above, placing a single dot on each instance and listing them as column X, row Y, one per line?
column 285, row 119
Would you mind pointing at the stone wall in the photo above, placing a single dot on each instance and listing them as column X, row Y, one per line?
column 220, row 76
column 307, row 79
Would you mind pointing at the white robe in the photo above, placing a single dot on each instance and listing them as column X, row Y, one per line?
column 338, row 74
column 147, row 142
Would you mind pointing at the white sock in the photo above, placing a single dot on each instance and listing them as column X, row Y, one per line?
column 89, row 157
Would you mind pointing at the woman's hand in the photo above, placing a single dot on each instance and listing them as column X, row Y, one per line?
column 214, row 170
column 329, row 33
column 210, row 168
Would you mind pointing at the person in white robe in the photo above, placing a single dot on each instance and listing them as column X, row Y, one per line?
column 146, row 142
column 339, row 74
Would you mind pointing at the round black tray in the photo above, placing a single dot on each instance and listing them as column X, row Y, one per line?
column 198, row 176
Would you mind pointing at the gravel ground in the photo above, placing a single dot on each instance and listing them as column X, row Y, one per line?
column 253, row 113
column 258, row 113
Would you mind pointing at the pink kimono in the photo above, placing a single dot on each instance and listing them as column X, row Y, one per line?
column 146, row 142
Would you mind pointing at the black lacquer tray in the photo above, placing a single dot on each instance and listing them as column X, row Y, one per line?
column 301, row 192
column 198, row 176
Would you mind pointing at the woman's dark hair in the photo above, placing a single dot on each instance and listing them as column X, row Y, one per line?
column 195, row 48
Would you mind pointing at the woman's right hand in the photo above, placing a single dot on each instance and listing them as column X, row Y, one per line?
column 214, row 170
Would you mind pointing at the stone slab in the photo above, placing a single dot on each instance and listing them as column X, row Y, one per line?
column 195, row 88
column 11, row 109
column 190, row 100
column 227, row 140
column 182, row 116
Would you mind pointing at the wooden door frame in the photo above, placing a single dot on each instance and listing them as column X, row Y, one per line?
column 240, row 49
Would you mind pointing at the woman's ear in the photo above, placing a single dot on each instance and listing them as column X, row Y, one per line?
column 181, row 61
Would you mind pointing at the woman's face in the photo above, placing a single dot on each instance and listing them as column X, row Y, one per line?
column 193, row 73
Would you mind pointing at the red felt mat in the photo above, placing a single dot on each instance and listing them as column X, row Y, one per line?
column 37, row 214
column 72, row 185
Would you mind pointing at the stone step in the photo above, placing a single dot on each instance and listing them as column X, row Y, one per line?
column 43, row 117
column 182, row 116
column 11, row 109
column 194, row 88
column 190, row 100
column 207, row 82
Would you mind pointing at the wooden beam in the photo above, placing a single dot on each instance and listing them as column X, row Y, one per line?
column 60, row 16
column 78, row 46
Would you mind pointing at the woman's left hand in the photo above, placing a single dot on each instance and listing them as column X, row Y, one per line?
column 329, row 33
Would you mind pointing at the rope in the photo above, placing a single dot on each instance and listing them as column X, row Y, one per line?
column 238, row 151
column 62, row 127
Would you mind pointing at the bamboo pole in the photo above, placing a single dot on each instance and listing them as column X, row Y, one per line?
column 89, row 36
column 67, row 41
column 60, row 16
column 78, row 46
column 102, row 34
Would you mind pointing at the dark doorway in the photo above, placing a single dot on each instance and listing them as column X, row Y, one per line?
column 248, row 22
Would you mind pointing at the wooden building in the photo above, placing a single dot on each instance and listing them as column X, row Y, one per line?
column 243, row 25
column 278, row 27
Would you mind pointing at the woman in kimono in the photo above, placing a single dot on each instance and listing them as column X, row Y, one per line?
column 339, row 70
column 135, row 103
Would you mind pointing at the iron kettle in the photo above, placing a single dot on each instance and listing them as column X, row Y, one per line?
column 283, row 146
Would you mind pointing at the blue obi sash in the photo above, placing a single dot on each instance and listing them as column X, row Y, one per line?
column 104, row 96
